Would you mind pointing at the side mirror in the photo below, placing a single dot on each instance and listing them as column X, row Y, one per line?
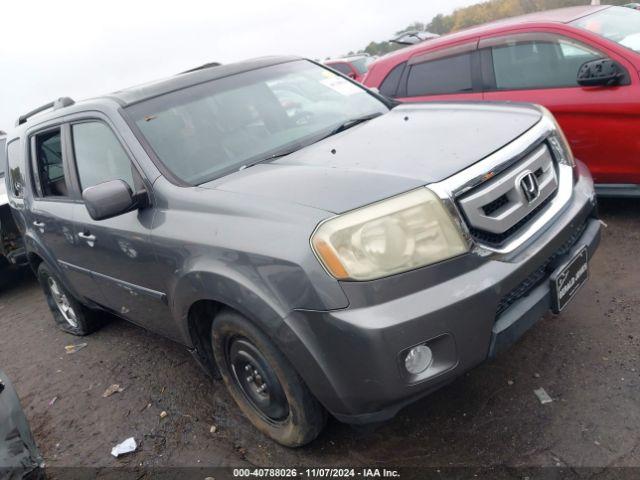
column 110, row 199
column 601, row 73
column 351, row 75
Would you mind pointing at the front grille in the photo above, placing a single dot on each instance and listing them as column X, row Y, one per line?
column 536, row 277
column 498, row 208
column 497, row 240
column 496, row 205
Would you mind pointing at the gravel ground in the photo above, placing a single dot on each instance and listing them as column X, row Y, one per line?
column 586, row 359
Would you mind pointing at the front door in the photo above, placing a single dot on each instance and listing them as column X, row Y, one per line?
column 598, row 121
column 117, row 251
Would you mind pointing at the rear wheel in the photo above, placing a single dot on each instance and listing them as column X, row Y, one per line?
column 69, row 315
column 263, row 383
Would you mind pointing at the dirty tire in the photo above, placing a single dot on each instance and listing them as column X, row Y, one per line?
column 304, row 418
column 69, row 315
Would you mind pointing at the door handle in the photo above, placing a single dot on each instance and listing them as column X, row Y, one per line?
column 87, row 237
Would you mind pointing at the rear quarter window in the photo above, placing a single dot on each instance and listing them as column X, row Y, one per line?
column 14, row 167
column 389, row 86
column 3, row 160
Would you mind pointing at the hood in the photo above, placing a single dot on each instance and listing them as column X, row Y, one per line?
column 410, row 146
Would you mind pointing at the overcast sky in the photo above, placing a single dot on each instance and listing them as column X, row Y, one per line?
column 80, row 49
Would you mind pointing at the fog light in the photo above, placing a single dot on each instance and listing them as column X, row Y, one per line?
column 418, row 359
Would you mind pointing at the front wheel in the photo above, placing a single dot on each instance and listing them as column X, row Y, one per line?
column 263, row 383
column 69, row 315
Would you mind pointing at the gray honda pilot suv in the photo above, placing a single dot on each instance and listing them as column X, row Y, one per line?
column 324, row 250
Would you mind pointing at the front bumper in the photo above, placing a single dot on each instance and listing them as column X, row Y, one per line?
column 467, row 310
column 618, row 190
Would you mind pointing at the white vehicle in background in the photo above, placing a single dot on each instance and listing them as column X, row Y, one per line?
column 12, row 253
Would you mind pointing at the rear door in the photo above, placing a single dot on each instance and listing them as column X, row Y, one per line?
column 600, row 123
column 54, row 197
column 442, row 75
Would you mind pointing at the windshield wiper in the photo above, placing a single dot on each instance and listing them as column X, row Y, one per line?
column 352, row 123
column 340, row 128
column 283, row 153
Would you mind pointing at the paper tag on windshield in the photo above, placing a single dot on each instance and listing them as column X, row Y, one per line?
column 340, row 85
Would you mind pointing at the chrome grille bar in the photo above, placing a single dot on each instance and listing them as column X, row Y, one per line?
column 521, row 189
column 455, row 187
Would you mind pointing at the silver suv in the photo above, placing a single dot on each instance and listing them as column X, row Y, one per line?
column 323, row 249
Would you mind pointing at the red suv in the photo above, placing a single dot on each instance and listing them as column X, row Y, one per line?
column 582, row 63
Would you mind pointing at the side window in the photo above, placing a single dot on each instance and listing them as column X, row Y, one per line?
column 443, row 76
column 549, row 62
column 16, row 181
column 53, row 182
column 99, row 155
column 389, row 86
column 342, row 68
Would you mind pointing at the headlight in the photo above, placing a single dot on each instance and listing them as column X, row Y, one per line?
column 399, row 234
column 559, row 143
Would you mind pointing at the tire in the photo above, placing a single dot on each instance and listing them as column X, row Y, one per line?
column 286, row 410
column 70, row 316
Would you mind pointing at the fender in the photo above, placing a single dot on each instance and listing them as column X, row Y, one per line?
column 277, row 320
column 230, row 289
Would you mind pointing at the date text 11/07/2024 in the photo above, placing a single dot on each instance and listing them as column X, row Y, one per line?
column 315, row 473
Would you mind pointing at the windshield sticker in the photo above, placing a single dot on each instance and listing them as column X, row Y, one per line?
column 340, row 85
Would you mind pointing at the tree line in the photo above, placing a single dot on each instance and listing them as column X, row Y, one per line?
column 475, row 15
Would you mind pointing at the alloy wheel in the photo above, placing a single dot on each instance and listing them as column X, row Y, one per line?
column 62, row 302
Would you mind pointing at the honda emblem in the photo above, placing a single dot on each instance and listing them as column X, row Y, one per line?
column 529, row 186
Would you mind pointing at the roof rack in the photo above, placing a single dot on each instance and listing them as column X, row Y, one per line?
column 201, row 67
column 57, row 104
column 412, row 37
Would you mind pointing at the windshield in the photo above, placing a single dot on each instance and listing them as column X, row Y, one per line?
column 209, row 130
column 620, row 24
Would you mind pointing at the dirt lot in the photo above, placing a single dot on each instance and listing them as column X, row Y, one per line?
column 586, row 359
